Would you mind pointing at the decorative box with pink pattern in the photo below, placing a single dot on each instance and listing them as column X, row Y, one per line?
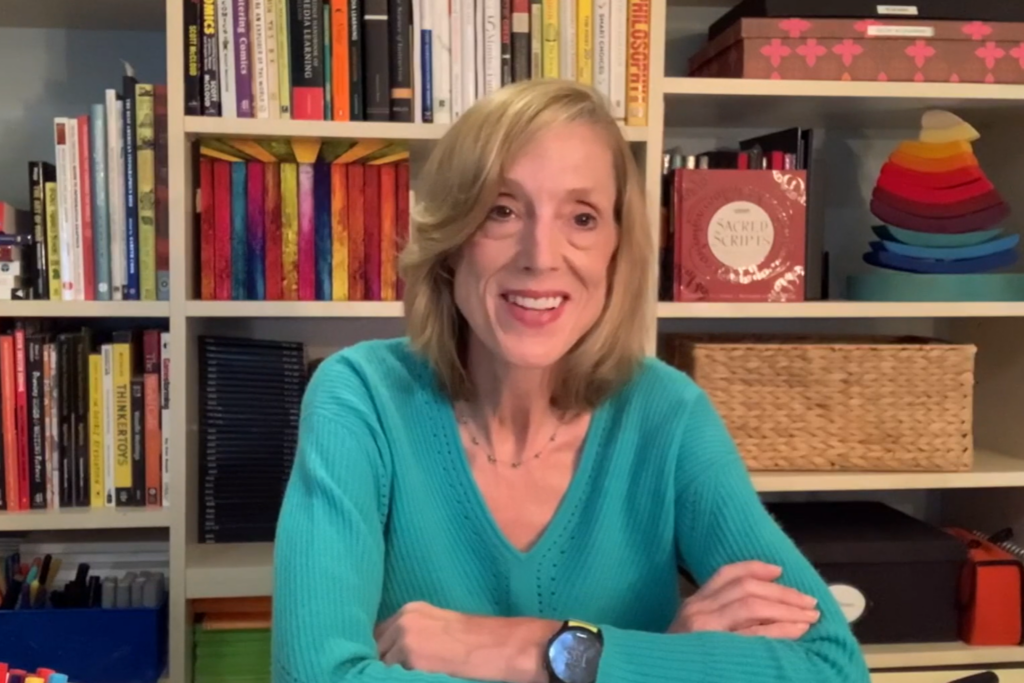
column 865, row 50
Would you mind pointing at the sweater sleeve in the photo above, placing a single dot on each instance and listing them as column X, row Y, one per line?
column 720, row 520
column 329, row 548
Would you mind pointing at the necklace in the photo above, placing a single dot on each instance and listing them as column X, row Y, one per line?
column 470, row 428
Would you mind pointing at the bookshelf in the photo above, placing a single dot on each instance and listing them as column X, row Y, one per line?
column 680, row 110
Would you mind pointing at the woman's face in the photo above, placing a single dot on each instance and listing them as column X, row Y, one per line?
column 534, row 277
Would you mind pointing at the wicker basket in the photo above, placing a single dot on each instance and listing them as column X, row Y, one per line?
column 866, row 404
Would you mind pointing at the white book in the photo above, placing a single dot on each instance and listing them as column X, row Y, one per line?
column 417, row 60
column 260, row 78
column 165, row 415
column 63, row 166
column 481, row 48
column 492, row 46
column 455, row 34
column 273, row 77
column 115, row 195
column 226, row 58
column 536, row 39
column 441, row 49
column 468, row 28
column 107, row 353
column 567, row 39
column 602, row 47
column 75, row 210
column 619, row 24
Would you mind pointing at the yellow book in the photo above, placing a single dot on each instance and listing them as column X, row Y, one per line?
column 145, row 136
column 360, row 150
column 638, row 61
column 339, row 232
column 96, row 460
column 123, row 422
column 290, row 230
column 585, row 41
column 53, row 240
column 284, row 67
column 549, row 8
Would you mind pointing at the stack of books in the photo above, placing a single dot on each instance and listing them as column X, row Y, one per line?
column 83, row 417
column 232, row 640
column 406, row 60
column 97, row 226
column 301, row 220
column 250, row 393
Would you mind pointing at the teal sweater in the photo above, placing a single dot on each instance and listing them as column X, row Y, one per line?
column 381, row 510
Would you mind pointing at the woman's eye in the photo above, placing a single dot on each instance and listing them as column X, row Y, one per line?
column 501, row 213
column 585, row 220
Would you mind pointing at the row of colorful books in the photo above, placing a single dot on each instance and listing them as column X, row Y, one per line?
column 406, row 60
column 96, row 222
column 301, row 220
column 83, row 417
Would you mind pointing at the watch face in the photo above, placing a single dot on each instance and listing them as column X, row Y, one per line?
column 574, row 656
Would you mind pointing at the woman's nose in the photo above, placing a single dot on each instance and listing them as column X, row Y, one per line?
column 540, row 247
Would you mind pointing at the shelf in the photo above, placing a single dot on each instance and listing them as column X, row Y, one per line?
column 938, row 654
column 991, row 470
column 212, row 126
column 1014, row 675
column 294, row 309
column 759, row 103
column 85, row 518
column 844, row 309
column 239, row 570
column 107, row 15
column 84, row 309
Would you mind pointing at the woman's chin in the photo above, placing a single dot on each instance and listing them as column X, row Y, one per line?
column 531, row 355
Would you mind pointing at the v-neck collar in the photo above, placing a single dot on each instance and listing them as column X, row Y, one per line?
column 565, row 512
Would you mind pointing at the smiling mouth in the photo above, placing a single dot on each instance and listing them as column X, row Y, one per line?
column 535, row 303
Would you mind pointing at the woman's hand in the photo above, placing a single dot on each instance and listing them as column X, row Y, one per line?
column 744, row 598
column 426, row 638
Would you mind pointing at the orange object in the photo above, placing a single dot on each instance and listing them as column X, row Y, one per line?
column 936, row 165
column 990, row 593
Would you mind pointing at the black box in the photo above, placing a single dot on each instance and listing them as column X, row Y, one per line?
column 895, row 576
column 926, row 10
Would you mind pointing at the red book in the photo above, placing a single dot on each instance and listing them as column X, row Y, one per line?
column 85, row 204
column 153, row 441
column 207, row 234
column 21, row 412
column 272, row 232
column 741, row 235
column 371, row 233
column 356, row 257
column 9, row 420
column 222, row 228
column 307, row 240
column 388, row 231
column 402, row 215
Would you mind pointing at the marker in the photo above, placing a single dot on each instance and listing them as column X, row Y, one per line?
column 3, row 672
column 56, row 678
column 34, row 679
column 45, row 673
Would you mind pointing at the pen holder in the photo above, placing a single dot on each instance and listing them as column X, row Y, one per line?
column 122, row 645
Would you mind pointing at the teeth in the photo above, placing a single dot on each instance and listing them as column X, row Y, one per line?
column 542, row 304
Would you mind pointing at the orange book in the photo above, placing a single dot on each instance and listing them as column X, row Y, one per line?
column 207, row 233
column 251, row 605
column 402, row 216
column 152, row 436
column 340, row 96
column 356, row 256
column 388, row 232
column 10, row 432
column 228, row 621
column 339, row 232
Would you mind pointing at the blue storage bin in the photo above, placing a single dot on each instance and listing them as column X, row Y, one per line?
column 126, row 645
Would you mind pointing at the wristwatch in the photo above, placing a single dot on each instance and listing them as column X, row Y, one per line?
column 574, row 652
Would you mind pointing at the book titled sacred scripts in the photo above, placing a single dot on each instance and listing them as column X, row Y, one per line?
column 250, row 392
column 741, row 235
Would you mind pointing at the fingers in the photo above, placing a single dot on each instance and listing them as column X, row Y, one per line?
column 738, row 570
column 749, row 611
column 782, row 631
column 748, row 587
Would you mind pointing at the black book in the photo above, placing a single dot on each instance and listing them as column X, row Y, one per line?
column 82, row 346
column 39, row 173
column 66, row 395
column 307, row 57
column 193, row 64
column 506, row 42
column 211, row 58
column 400, row 18
column 357, row 96
column 376, row 65
column 36, row 447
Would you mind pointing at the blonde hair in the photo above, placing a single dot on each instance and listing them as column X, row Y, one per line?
column 458, row 186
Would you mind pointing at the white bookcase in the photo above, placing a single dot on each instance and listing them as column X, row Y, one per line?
column 859, row 122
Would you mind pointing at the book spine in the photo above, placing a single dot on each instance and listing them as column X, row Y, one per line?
column 63, row 165
column 325, row 32
column 388, row 230
column 260, row 78
column 427, row 68
column 8, row 403
column 37, row 450
column 585, row 41
column 289, row 231
column 255, row 219
column 550, row 15
column 417, row 60
column 193, row 74
column 145, row 145
column 377, row 69
column 357, row 94
column 356, row 258
column 52, row 200
column 638, row 49
column 122, row 381
column 506, row 41
column 371, row 237
column 100, row 212
column 401, row 216
column 115, row 194
column 165, row 418
column 272, row 228
column 536, row 39
column 284, row 68
column 131, row 196
column 239, row 231
column 602, row 47
column 67, row 395
column 208, row 48
column 456, row 48
column 400, row 59
column 21, row 411
column 81, row 347
column 151, row 416
column 520, row 40
column 467, row 25
column 75, row 207
column 138, row 436
column 53, row 452
column 243, row 52
column 322, row 229
column 492, row 45
column 163, row 237
column 222, row 229
column 441, row 63
column 41, row 277
column 86, row 199
column 307, row 242
column 307, row 60
column 109, row 446
column 339, row 232
column 227, row 60
column 47, row 413
column 273, row 76
column 207, row 232
column 96, row 454
column 341, row 96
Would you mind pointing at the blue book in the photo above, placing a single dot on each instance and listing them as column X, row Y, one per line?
column 256, row 280
column 239, row 231
column 322, row 237
column 426, row 63
column 100, row 215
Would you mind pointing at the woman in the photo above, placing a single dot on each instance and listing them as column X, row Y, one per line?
column 508, row 494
